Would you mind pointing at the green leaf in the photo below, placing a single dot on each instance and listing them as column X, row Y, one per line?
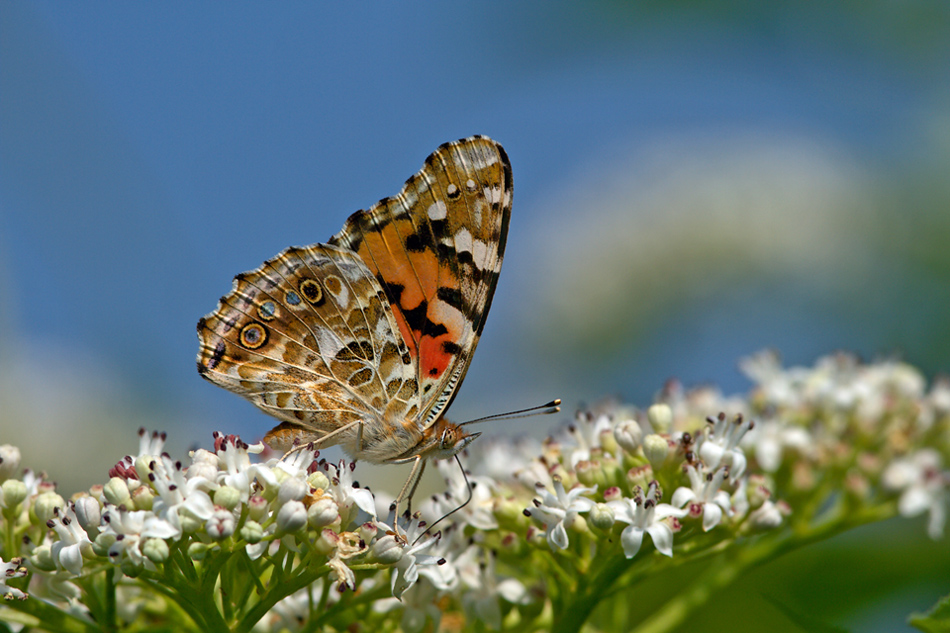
column 937, row 620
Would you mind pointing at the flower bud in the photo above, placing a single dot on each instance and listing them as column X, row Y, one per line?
column 387, row 550
column 608, row 442
column 257, row 508
column 189, row 523
column 227, row 497
column 508, row 511
column 586, row 472
column 323, row 512
column 197, row 551
column 221, row 524
column 45, row 506
column 317, row 479
column 102, row 543
column 759, row 492
column 143, row 466
column 292, row 516
column 155, row 549
column 327, row 542
column 367, row 531
column 640, row 476
column 42, row 558
column 601, row 516
column 629, row 436
column 12, row 494
column 656, row 449
column 252, row 532
column 291, row 489
column 89, row 515
column 613, row 493
column 9, row 462
column 661, row 418
column 117, row 492
column 143, row 498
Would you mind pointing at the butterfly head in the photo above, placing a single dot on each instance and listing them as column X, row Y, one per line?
column 445, row 439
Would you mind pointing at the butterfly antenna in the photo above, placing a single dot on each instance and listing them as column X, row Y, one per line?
column 468, row 486
column 551, row 407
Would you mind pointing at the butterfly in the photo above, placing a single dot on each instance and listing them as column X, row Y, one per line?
column 364, row 341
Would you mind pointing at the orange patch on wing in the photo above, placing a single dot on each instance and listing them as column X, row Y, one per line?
column 407, row 335
column 417, row 273
column 433, row 360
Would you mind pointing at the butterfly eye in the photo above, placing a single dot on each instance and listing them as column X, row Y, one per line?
column 448, row 438
column 253, row 335
column 312, row 291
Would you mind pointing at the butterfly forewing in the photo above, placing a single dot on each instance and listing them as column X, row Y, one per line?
column 437, row 248
column 365, row 340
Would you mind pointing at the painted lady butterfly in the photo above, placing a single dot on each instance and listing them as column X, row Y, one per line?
column 364, row 341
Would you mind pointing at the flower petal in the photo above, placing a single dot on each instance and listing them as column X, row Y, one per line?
column 631, row 539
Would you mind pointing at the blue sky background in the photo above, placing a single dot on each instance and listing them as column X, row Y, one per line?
column 151, row 151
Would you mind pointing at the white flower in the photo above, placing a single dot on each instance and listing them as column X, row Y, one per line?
column 500, row 460
column 720, row 444
column 347, row 492
column 645, row 516
column 180, row 497
column 704, row 496
column 767, row 516
column 559, row 510
column 130, row 529
column 780, row 387
column 8, row 570
column 771, row 437
column 151, row 444
column 483, row 589
column 239, row 472
column 479, row 511
column 923, row 485
column 419, row 606
column 585, row 431
column 343, row 546
column 407, row 558
column 73, row 540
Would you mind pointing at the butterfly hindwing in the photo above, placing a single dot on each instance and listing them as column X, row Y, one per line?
column 309, row 337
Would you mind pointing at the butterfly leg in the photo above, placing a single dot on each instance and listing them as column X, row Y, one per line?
column 320, row 442
column 409, row 488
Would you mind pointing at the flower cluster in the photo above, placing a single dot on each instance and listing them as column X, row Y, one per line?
column 530, row 534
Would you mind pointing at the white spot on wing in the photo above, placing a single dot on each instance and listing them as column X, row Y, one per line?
column 437, row 210
column 493, row 194
column 463, row 240
column 328, row 342
column 480, row 253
